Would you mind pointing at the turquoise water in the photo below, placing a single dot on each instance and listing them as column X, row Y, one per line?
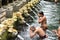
column 52, row 12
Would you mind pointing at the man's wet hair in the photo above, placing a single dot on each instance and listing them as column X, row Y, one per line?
column 32, row 27
column 41, row 12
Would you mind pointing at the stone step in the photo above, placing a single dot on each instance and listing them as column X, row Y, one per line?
column 2, row 19
column 2, row 15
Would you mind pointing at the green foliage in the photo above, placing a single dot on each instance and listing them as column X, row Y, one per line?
column 4, row 36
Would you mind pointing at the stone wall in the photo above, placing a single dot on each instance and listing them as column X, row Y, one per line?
column 10, row 6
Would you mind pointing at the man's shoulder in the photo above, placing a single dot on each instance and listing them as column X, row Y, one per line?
column 38, row 28
column 44, row 16
column 58, row 28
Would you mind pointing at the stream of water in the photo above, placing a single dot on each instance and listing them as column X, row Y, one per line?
column 52, row 12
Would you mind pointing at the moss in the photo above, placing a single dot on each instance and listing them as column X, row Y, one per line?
column 7, row 36
column 4, row 36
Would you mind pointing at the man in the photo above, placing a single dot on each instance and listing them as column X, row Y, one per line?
column 39, row 31
column 42, row 19
column 56, row 1
column 57, row 32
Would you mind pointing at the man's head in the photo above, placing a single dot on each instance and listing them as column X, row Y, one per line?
column 59, row 28
column 41, row 14
column 32, row 28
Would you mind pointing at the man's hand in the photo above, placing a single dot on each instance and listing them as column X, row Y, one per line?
column 32, row 29
column 55, row 31
column 46, row 36
column 39, row 19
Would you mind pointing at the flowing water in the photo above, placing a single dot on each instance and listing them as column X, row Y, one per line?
column 52, row 12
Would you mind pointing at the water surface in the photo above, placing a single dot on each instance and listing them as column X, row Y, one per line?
column 52, row 12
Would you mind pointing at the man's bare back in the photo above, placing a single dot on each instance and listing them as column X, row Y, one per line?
column 57, row 33
column 38, row 31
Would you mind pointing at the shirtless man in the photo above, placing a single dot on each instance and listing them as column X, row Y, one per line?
column 39, row 31
column 42, row 19
column 57, row 32
column 56, row 1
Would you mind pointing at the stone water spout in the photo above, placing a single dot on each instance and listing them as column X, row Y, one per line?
column 29, row 10
column 36, row 16
column 25, row 12
column 35, row 9
column 30, row 4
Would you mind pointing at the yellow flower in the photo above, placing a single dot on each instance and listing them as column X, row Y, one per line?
column 22, row 17
column 26, row 11
column 28, row 4
column 3, row 26
column 4, row 22
column 12, row 30
column 29, row 7
column 19, row 15
column 11, row 26
column 8, row 21
column 14, row 18
column 21, row 10
column 14, row 14
column 32, row 5
column 24, row 8
column 1, row 30
column 36, row 1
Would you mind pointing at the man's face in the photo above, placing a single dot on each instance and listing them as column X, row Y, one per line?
column 33, row 29
column 40, row 15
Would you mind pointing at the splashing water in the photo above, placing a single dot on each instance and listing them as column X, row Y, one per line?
column 34, row 12
column 36, row 9
column 32, row 17
column 49, row 10
column 20, row 37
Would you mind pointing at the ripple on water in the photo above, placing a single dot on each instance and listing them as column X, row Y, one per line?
column 52, row 12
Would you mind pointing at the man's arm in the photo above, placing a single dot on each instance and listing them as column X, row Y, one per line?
column 55, row 31
column 32, row 34
column 40, row 20
column 58, row 32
